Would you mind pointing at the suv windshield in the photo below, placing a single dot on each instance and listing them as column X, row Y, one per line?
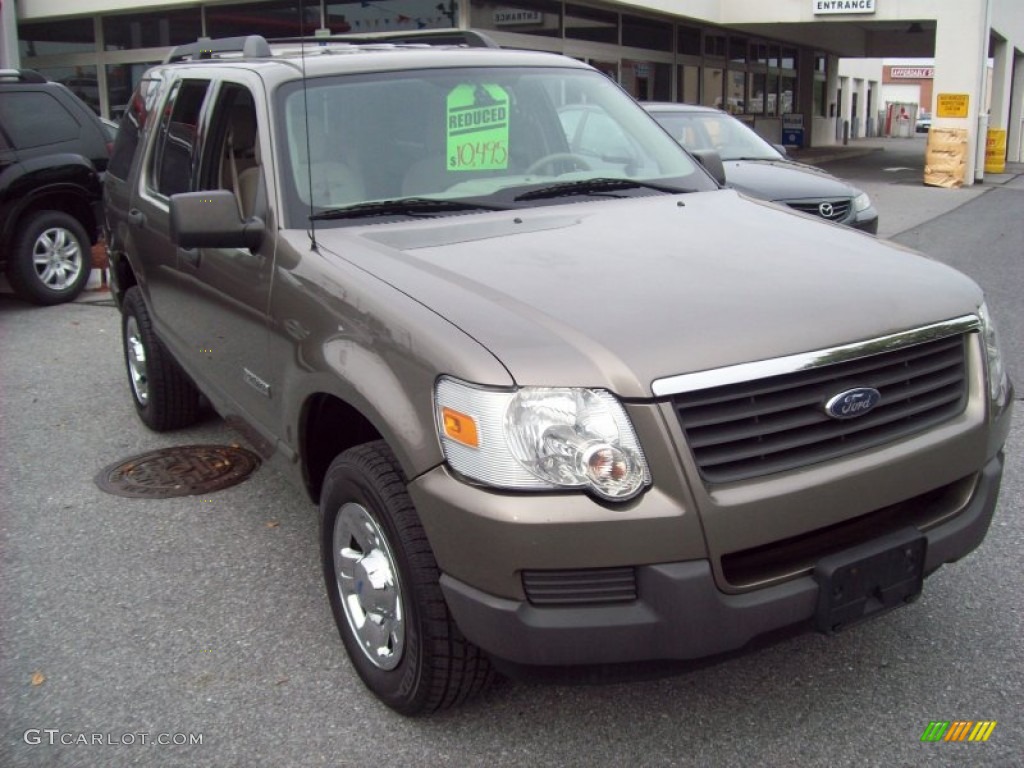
column 480, row 135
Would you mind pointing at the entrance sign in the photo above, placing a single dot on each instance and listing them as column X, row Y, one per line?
column 822, row 7
column 952, row 104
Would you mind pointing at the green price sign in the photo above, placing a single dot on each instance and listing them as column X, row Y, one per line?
column 477, row 128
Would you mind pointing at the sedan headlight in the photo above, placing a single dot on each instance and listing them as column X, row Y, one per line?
column 541, row 438
column 861, row 202
column 998, row 380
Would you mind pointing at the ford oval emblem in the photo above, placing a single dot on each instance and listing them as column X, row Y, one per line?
column 853, row 403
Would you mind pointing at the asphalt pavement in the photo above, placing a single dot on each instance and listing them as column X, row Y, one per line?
column 201, row 621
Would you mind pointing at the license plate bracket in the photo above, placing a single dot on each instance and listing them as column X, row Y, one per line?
column 868, row 580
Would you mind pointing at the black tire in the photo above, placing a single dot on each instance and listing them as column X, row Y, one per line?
column 51, row 260
column 164, row 396
column 430, row 666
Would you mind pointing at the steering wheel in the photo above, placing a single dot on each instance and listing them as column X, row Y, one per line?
column 556, row 157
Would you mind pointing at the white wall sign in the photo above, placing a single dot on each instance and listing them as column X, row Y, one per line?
column 822, row 7
column 506, row 17
column 911, row 73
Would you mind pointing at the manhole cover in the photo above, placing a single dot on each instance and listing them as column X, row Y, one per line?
column 184, row 470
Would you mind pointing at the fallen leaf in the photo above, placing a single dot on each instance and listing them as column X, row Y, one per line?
column 38, row 678
column 272, row 524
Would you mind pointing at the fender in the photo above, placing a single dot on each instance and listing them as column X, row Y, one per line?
column 25, row 182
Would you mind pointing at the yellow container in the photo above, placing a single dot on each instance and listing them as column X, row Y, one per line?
column 995, row 151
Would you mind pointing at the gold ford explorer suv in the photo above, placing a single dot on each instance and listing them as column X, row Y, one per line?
column 558, row 406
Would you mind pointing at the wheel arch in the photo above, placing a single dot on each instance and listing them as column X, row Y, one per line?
column 328, row 426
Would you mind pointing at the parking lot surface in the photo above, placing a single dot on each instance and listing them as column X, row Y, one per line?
column 194, row 631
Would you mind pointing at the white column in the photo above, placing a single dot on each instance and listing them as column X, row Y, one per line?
column 1015, row 136
column 961, row 56
column 10, row 58
column 1002, row 73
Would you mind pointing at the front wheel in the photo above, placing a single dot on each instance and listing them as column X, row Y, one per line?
column 52, row 258
column 382, row 582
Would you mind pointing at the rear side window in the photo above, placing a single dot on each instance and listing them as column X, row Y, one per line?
column 36, row 119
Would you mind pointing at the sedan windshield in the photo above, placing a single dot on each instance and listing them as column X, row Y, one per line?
column 485, row 136
column 730, row 138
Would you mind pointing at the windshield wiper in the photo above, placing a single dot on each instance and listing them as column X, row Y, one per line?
column 406, row 206
column 592, row 187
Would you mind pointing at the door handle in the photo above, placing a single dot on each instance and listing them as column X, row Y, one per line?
column 190, row 256
column 136, row 218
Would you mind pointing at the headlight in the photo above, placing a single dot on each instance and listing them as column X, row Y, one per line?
column 541, row 438
column 998, row 381
column 861, row 202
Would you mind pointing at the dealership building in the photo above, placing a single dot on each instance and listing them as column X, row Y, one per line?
column 771, row 63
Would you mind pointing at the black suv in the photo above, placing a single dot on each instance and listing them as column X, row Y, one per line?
column 53, row 152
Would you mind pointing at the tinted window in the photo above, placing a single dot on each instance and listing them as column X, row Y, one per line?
column 175, row 155
column 127, row 139
column 36, row 119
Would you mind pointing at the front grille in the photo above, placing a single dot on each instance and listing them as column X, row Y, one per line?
column 583, row 586
column 755, row 428
column 835, row 210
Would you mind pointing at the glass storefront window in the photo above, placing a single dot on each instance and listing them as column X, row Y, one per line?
column 358, row 16
column 151, row 30
column 789, row 58
column 771, row 106
column 735, row 97
column 712, row 91
column 738, row 50
column 527, row 17
column 647, row 80
column 640, row 32
column 787, row 95
column 56, row 37
column 597, row 26
column 714, row 45
column 274, row 19
column 689, row 84
column 688, row 41
column 755, row 105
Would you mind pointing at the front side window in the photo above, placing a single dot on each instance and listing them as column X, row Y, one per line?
column 481, row 134
column 174, row 157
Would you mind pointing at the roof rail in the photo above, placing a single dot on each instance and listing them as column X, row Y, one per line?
column 22, row 75
column 468, row 37
column 250, row 46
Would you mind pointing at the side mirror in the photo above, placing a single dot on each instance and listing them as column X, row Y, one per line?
column 211, row 220
column 712, row 163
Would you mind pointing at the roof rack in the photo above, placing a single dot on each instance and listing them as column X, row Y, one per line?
column 470, row 38
column 257, row 47
column 22, row 75
column 250, row 46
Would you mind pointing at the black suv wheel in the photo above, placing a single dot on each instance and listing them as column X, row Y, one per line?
column 51, row 260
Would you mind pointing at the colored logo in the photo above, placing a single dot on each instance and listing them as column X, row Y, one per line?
column 958, row 730
column 852, row 403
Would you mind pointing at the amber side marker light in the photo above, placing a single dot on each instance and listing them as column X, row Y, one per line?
column 460, row 427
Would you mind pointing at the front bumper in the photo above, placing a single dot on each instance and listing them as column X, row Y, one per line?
column 679, row 612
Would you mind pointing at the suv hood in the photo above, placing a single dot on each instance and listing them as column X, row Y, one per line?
column 616, row 294
column 784, row 180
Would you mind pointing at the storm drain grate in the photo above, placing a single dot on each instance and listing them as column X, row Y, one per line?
column 184, row 470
